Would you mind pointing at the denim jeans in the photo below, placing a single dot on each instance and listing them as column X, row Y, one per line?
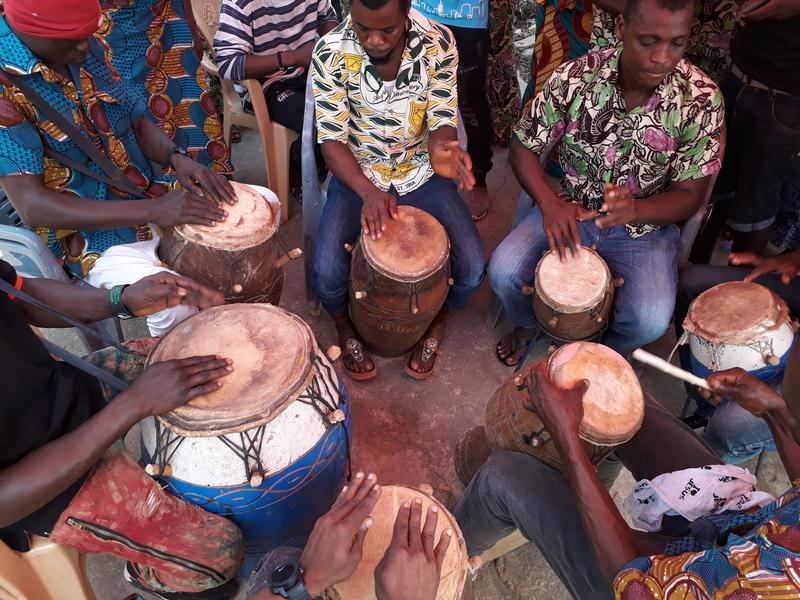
column 734, row 434
column 643, row 305
column 340, row 224
column 516, row 491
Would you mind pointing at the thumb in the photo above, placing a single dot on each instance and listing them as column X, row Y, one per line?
column 580, row 387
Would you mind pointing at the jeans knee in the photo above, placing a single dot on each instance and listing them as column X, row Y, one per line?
column 643, row 325
column 503, row 275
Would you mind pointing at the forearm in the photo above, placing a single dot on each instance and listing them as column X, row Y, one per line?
column 782, row 434
column 44, row 473
column 257, row 66
column 84, row 304
column 531, row 176
column 672, row 206
column 345, row 167
column 440, row 136
column 155, row 144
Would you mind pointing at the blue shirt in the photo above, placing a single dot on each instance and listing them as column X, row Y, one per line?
column 472, row 14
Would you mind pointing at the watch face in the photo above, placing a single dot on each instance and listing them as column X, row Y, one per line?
column 283, row 575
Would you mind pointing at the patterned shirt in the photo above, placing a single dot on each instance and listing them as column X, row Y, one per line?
column 762, row 561
column 674, row 136
column 387, row 133
column 103, row 108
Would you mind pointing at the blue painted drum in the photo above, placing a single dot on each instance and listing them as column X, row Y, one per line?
column 270, row 448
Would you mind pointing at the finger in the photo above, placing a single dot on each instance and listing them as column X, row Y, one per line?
column 199, row 219
column 551, row 240
column 194, row 360
column 383, row 213
column 580, row 387
column 400, row 532
column 209, row 189
column 574, row 237
column 212, row 211
column 364, row 222
column 202, row 390
column 222, row 186
column 374, row 230
column 441, row 548
column 205, row 376
column 789, row 274
column 190, row 185
column 414, row 525
column 358, row 543
column 744, row 258
column 169, row 292
column 208, row 365
column 393, row 212
column 361, row 511
column 429, row 531
column 756, row 273
column 365, row 488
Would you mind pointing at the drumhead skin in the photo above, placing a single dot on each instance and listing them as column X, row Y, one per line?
column 251, row 221
column 413, row 246
column 270, row 350
column 737, row 312
column 575, row 285
column 613, row 406
column 361, row 585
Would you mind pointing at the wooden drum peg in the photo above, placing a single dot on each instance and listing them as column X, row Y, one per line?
column 256, row 479
column 519, row 382
column 618, row 282
column 291, row 255
column 237, row 288
column 450, row 281
column 154, row 470
column 426, row 488
column 772, row 360
column 553, row 323
column 336, row 416
column 528, row 290
column 334, row 352
column 349, row 248
column 360, row 295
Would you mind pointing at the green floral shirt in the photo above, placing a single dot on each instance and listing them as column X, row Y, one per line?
column 674, row 136
column 387, row 133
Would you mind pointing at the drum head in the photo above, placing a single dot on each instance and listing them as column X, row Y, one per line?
column 736, row 312
column 361, row 585
column 251, row 221
column 613, row 406
column 270, row 350
column 413, row 246
column 575, row 285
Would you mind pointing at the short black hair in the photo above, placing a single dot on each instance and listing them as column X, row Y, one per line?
column 632, row 7
column 378, row 4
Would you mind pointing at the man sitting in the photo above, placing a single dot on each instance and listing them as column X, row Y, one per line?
column 61, row 473
column 385, row 93
column 638, row 135
column 97, row 224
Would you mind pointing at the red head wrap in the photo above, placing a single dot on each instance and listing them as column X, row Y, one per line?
column 57, row 19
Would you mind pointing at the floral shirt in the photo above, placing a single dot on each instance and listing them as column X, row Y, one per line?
column 103, row 108
column 603, row 34
column 674, row 136
column 762, row 560
column 387, row 133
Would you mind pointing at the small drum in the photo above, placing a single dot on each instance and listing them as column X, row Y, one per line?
column 572, row 299
column 613, row 406
column 240, row 256
column 270, row 448
column 740, row 324
column 361, row 584
column 399, row 282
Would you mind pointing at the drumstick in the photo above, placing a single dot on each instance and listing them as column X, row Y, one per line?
column 660, row 364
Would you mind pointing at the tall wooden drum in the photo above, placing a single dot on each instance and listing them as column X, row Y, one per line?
column 361, row 584
column 399, row 282
column 613, row 406
column 240, row 256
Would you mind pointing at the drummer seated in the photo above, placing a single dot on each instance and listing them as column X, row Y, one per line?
column 573, row 519
column 637, row 130
column 386, row 109
column 63, row 472
column 101, row 233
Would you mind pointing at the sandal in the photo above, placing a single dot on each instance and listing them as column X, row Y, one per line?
column 430, row 348
column 520, row 346
column 355, row 350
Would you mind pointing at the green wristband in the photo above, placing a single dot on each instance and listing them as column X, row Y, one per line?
column 115, row 298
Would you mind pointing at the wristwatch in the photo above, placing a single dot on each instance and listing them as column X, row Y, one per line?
column 286, row 580
column 115, row 298
column 281, row 66
column 178, row 150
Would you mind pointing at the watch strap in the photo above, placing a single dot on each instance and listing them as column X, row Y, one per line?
column 115, row 299
column 298, row 591
column 281, row 66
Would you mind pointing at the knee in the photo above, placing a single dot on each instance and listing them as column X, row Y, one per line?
column 504, row 273
column 472, row 267
column 504, row 472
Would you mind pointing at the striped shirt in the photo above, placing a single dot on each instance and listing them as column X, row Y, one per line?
column 266, row 27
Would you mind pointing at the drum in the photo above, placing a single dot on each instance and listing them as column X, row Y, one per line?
column 270, row 448
column 572, row 299
column 740, row 324
column 361, row 584
column 399, row 282
column 613, row 406
column 241, row 256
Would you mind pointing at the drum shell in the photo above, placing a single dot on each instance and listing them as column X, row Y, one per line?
column 511, row 426
column 254, row 268
column 574, row 326
column 384, row 319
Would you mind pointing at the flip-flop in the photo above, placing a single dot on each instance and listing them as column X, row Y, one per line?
column 520, row 344
column 429, row 352
column 354, row 349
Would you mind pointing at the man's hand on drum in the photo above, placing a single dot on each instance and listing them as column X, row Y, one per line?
column 786, row 265
column 560, row 409
column 450, row 160
column 202, row 181
column 749, row 392
column 169, row 384
column 412, row 565
column 619, row 206
column 560, row 222
column 179, row 207
column 333, row 550
column 158, row 292
column 376, row 209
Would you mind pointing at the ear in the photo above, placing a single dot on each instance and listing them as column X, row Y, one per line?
column 619, row 27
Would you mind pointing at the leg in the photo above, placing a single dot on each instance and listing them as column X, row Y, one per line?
column 513, row 490
column 735, row 434
column 644, row 304
column 207, row 548
column 286, row 104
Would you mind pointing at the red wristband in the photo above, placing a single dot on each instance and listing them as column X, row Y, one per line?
column 17, row 285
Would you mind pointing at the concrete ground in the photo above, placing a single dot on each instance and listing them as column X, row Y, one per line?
column 405, row 430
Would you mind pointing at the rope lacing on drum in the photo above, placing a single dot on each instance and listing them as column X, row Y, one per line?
column 167, row 443
column 249, row 449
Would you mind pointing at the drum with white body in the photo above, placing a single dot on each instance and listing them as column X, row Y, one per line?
column 572, row 299
column 270, row 448
column 740, row 324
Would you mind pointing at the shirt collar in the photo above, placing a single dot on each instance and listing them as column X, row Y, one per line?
column 16, row 57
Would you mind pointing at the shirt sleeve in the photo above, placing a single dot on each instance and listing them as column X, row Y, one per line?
column 21, row 149
column 699, row 152
column 442, row 110
column 331, row 105
column 233, row 42
column 325, row 12
column 541, row 126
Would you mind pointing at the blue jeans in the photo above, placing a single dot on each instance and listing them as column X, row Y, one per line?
column 340, row 224
column 643, row 305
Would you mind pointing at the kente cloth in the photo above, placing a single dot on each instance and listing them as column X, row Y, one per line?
column 152, row 46
column 693, row 493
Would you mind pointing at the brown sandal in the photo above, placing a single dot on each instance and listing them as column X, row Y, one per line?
column 429, row 351
column 354, row 349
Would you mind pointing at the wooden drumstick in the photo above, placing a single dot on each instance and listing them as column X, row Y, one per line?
column 660, row 364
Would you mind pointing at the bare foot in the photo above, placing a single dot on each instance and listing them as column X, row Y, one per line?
column 477, row 200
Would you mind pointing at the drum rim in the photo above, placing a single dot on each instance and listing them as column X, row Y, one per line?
column 181, row 230
column 445, row 256
column 548, row 300
column 180, row 425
